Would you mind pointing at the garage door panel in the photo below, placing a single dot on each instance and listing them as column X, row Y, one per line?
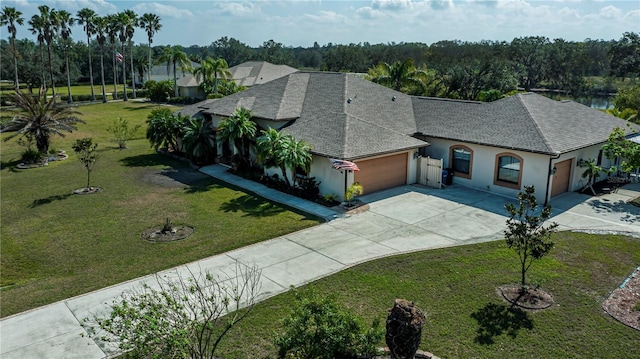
column 381, row 173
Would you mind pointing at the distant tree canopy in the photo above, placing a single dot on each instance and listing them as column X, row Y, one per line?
column 460, row 69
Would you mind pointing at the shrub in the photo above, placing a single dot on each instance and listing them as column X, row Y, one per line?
column 309, row 188
column 31, row 155
column 158, row 91
column 354, row 190
column 320, row 328
column 121, row 132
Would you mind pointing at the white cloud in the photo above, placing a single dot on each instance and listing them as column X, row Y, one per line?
column 369, row 13
column 162, row 10
column 326, row 17
column 391, row 4
column 441, row 4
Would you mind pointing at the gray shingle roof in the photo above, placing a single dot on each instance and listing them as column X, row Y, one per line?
column 347, row 117
column 340, row 115
column 252, row 73
column 527, row 122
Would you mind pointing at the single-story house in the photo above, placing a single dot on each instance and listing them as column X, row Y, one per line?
column 253, row 73
column 501, row 146
column 245, row 74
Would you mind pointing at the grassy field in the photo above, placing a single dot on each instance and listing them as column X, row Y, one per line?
column 75, row 90
column 456, row 289
column 56, row 245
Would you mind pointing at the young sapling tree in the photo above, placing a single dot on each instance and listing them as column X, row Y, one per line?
column 122, row 132
column 87, row 154
column 526, row 233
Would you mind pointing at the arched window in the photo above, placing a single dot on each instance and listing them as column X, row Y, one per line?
column 508, row 172
column 461, row 161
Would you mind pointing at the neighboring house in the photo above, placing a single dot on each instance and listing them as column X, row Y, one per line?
column 188, row 86
column 160, row 72
column 246, row 74
column 253, row 73
column 499, row 146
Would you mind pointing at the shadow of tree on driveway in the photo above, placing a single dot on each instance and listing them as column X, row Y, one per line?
column 496, row 319
column 628, row 212
column 252, row 207
column 41, row 201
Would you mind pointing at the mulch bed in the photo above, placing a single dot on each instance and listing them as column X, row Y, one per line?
column 620, row 304
column 531, row 299
column 157, row 235
column 89, row 190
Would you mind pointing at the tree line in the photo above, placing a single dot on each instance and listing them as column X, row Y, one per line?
column 456, row 69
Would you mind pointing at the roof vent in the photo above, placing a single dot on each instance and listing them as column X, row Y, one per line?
column 393, row 98
column 349, row 100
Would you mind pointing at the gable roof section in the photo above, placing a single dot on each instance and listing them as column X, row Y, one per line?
column 340, row 115
column 277, row 100
column 527, row 122
column 252, row 73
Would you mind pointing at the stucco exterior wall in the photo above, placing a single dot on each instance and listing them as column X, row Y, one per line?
column 576, row 182
column 535, row 167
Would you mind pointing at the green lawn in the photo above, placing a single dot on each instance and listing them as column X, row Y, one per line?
column 85, row 89
column 455, row 285
column 56, row 245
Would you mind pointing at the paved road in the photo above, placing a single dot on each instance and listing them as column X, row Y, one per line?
column 403, row 219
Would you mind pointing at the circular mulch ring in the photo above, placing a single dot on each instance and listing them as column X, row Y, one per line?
column 532, row 299
column 85, row 190
column 157, row 235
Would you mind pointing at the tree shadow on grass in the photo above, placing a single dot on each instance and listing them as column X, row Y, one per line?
column 41, row 201
column 146, row 160
column 148, row 105
column 12, row 165
column 496, row 319
column 252, row 207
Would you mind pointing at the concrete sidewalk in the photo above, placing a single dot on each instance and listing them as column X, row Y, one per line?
column 399, row 220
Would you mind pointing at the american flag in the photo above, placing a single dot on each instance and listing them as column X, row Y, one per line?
column 119, row 57
column 343, row 165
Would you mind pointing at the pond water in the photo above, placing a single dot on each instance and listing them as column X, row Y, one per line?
column 593, row 101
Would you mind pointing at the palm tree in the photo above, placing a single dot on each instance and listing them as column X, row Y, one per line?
column 47, row 21
column 39, row 119
column 37, row 28
column 210, row 69
column 295, row 154
column 164, row 128
column 122, row 22
column 112, row 33
column 173, row 55
column 87, row 17
column 270, row 148
column 100, row 27
column 151, row 24
column 63, row 22
column 10, row 16
column 399, row 75
column 199, row 139
column 238, row 129
column 130, row 22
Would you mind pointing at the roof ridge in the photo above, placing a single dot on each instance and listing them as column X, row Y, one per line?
column 344, row 112
column 535, row 121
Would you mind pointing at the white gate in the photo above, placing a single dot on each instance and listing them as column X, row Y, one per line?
column 430, row 172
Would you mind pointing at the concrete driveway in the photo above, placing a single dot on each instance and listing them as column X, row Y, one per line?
column 403, row 219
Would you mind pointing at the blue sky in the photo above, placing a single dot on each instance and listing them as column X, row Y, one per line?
column 300, row 23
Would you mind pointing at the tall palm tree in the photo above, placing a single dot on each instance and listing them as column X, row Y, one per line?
column 87, row 17
column 238, row 129
column 173, row 55
column 210, row 69
column 100, row 28
column 399, row 75
column 46, row 19
column 38, row 118
column 122, row 21
column 37, row 28
column 63, row 22
column 151, row 24
column 10, row 16
column 130, row 22
column 112, row 33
